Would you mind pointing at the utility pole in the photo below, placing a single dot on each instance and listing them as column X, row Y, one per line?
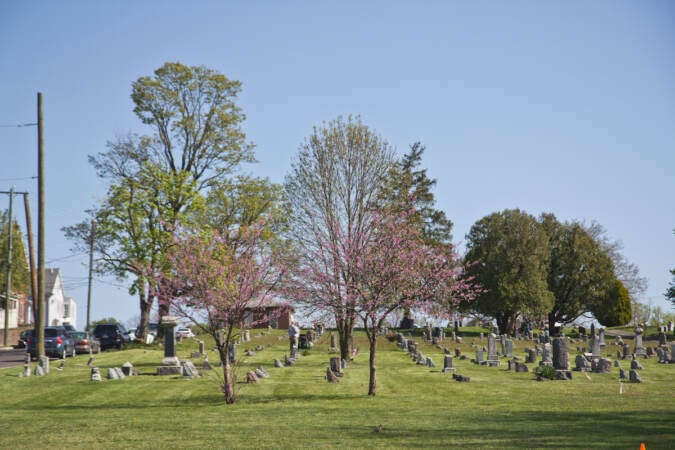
column 91, row 269
column 40, row 304
column 31, row 253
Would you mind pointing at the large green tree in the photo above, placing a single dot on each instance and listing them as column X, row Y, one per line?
column 615, row 309
column 157, row 180
column 20, row 282
column 332, row 189
column 580, row 274
column 507, row 254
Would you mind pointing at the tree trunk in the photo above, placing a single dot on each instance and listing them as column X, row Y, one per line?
column 146, row 306
column 372, row 384
column 345, row 328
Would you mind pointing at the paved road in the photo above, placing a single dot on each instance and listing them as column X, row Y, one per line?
column 12, row 357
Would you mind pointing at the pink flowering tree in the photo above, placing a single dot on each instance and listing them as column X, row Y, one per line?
column 216, row 279
column 397, row 270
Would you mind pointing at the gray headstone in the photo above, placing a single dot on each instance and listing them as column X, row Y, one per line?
column 626, row 351
column 277, row 363
column 128, row 369
column 479, row 356
column 634, row 377
column 492, row 349
column 639, row 348
column 581, row 363
column 189, row 369
column 595, row 346
column 430, row 363
column 336, row 366
column 448, row 364
column 546, row 355
column 509, row 348
column 601, row 337
column 38, row 371
column 201, row 347
column 635, row 365
column 531, row 355
column 560, row 354
column 43, row 362
column 95, row 374
column 622, row 374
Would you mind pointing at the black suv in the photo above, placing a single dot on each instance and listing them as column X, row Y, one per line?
column 111, row 335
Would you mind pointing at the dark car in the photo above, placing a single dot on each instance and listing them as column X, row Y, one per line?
column 111, row 335
column 57, row 343
column 85, row 343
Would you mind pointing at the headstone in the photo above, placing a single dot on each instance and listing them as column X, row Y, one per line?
column 502, row 343
column 458, row 352
column 618, row 340
column 531, row 355
column 261, row 372
column 206, row 365
column 430, row 363
column 289, row 361
column 201, row 347
column 649, row 352
column 39, row 371
column 634, row 377
column 95, row 374
column 521, row 367
column 626, row 351
column 602, row 365
column 43, row 362
column 635, row 365
column 331, row 377
column 639, row 348
column 601, row 337
column 115, row 373
column 128, row 369
column 663, row 339
column 277, row 363
column 170, row 363
column 333, row 343
column 509, row 348
column 479, row 357
column 672, row 352
column 189, row 370
column 492, row 358
column 482, row 336
column 616, row 363
column 26, row 367
column 344, row 364
column 560, row 354
column 622, row 374
column 336, row 366
column 511, row 364
column 251, row 377
column 448, row 364
column 247, row 336
column 460, row 378
column 595, row 346
column 581, row 363
column 546, row 356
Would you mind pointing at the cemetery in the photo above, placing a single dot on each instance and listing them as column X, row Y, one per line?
column 476, row 390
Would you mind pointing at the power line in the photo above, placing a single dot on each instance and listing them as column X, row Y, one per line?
column 18, row 125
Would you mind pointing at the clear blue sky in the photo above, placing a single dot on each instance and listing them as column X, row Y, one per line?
column 564, row 107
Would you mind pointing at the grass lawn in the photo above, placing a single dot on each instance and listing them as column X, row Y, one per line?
column 417, row 407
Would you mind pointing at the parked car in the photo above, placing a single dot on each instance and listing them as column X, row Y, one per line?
column 111, row 335
column 184, row 332
column 57, row 343
column 85, row 343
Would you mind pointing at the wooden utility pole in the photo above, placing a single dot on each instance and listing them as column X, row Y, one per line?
column 31, row 254
column 91, row 270
column 40, row 303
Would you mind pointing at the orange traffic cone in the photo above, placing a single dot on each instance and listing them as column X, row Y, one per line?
column 642, row 446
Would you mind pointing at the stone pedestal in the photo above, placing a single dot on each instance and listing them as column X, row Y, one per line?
column 170, row 362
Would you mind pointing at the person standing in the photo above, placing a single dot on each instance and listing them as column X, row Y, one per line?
column 293, row 335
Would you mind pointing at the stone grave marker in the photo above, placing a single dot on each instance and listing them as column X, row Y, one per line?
column 509, row 348
column 430, row 363
column 601, row 365
column 479, row 357
column 170, row 364
column 95, row 374
column 531, row 355
column 448, row 364
column 521, row 367
column 43, row 363
column 277, row 363
column 502, row 343
column 601, row 337
column 626, row 351
column 128, row 369
column 635, row 365
column 634, row 377
column 546, row 356
column 622, row 374
column 649, row 352
column 492, row 358
column 663, row 338
column 336, row 366
column 639, row 348
column 595, row 346
column 189, row 370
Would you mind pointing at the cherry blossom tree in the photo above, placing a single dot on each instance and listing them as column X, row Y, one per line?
column 216, row 279
column 397, row 270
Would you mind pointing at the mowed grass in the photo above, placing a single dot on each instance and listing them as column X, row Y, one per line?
column 417, row 407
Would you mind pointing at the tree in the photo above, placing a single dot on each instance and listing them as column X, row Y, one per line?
column 331, row 191
column 507, row 254
column 196, row 140
column 616, row 309
column 19, row 264
column 642, row 313
column 395, row 270
column 670, row 293
column 580, row 274
column 215, row 280
column 409, row 189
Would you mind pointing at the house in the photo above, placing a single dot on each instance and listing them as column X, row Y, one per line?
column 16, row 301
column 269, row 313
column 60, row 309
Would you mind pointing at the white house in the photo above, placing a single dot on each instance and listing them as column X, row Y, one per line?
column 61, row 310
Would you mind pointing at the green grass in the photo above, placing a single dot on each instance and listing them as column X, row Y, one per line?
column 296, row 408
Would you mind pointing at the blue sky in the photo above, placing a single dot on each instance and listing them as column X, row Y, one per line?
column 564, row 107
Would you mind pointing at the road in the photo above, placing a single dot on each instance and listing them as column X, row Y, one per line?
column 12, row 357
